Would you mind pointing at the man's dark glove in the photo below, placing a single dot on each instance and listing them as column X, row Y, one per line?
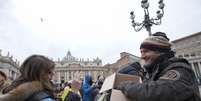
column 136, row 65
column 133, row 69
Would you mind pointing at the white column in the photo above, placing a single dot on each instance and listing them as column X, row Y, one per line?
column 70, row 76
column 67, row 73
column 192, row 65
column 199, row 67
column 59, row 76
column 65, row 76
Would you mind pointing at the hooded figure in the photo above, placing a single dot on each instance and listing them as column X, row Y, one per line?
column 87, row 88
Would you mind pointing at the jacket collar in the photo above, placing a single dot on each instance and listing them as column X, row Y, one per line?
column 22, row 92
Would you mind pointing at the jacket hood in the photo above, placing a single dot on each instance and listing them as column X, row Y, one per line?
column 179, row 60
column 88, row 79
column 22, row 92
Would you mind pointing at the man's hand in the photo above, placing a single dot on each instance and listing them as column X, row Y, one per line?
column 124, row 86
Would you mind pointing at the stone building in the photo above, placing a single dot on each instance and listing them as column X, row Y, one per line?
column 125, row 60
column 73, row 68
column 9, row 66
column 189, row 47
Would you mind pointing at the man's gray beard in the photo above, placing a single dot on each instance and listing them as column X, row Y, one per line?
column 143, row 64
column 147, row 66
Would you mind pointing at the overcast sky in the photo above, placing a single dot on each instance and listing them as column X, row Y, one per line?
column 88, row 28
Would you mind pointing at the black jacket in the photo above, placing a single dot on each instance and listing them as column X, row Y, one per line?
column 171, row 79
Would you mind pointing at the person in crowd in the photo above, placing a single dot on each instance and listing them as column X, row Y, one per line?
column 88, row 88
column 81, row 90
column 34, row 82
column 99, row 83
column 167, row 78
column 57, row 91
column 71, row 91
column 3, row 83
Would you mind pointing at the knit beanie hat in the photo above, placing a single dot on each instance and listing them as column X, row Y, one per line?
column 157, row 42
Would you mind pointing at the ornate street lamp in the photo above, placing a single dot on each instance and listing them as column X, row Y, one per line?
column 147, row 23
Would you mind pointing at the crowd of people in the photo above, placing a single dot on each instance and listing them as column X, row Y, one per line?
column 35, row 84
column 164, row 78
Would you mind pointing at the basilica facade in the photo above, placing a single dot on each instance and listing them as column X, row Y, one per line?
column 71, row 67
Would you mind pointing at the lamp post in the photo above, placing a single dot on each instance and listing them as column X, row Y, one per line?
column 147, row 23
